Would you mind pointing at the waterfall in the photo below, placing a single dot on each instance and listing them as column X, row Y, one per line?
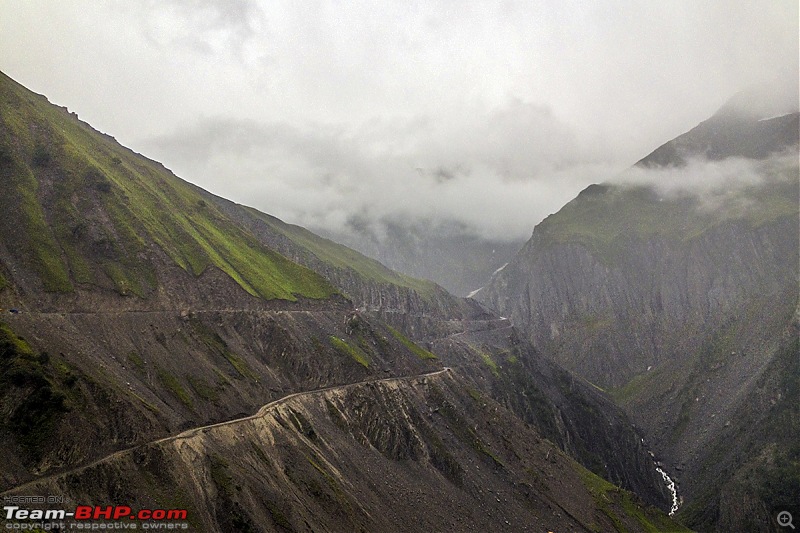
column 672, row 489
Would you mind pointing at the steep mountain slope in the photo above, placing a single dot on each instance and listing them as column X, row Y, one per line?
column 446, row 458
column 143, row 306
column 753, row 124
column 567, row 412
column 365, row 281
column 680, row 302
column 81, row 212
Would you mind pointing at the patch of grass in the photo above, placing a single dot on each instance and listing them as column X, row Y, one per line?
column 349, row 350
column 218, row 345
column 474, row 394
column 342, row 257
column 594, row 483
column 201, row 387
column 136, row 361
column 19, row 201
column 43, row 247
column 652, row 520
column 174, row 386
column 240, row 365
column 603, row 218
column 633, row 388
column 488, row 361
column 3, row 282
column 125, row 284
column 603, row 494
column 413, row 347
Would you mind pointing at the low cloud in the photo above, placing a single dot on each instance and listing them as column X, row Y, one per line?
column 485, row 116
column 715, row 184
column 493, row 173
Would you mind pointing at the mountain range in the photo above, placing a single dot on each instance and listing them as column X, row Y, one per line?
column 162, row 347
column 674, row 288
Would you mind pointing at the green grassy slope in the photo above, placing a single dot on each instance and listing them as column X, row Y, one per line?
column 83, row 210
column 604, row 218
column 342, row 257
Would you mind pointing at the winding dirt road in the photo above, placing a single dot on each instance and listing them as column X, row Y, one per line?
column 189, row 433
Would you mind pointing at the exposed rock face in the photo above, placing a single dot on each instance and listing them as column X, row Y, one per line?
column 446, row 457
column 610, row 322
column 682, row 312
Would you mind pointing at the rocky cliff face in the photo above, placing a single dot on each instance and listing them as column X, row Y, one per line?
column 611, row 321
column 446, row 457
column 678, row 309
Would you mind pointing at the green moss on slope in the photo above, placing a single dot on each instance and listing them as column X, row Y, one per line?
column 105, row 205
column 342, row 257
column 488, row 361
column 349, row 350
column 22, row 209
column 605, row 217
column 408, row 343
column 174, row 386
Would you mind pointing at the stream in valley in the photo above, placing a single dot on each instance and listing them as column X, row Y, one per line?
column 672, row 489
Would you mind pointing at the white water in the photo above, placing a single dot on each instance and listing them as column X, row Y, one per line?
column 774, row 116
column 672, row 488
column 473, row 293
column 499, row 269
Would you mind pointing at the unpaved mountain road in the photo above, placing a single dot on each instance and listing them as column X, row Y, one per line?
column 189, row 433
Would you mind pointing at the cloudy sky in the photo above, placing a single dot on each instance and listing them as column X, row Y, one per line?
column 491, row 114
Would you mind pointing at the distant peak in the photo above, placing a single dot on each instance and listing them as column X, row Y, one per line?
column 753, row 124
column 767, row 100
